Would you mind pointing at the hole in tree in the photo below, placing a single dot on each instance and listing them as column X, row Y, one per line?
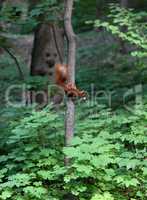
column 55, row 55
column 48, row 54
column 50, row 63
column 50, row 73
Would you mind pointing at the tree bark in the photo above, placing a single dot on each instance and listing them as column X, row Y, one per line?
column 123, row 48
column 99, row 8
column 1, row 4
column 124, row 3
column 71, row 38
column 48, row 49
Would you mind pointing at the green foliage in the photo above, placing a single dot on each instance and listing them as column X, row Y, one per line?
column 84, row 10
column 3, row 42
column 108, row 156
column 44, row 11
column 25, row 19
column 11, row 13
column 37, row 82
column 47, row 8
column 33, row 162
column 129, row 26
column 106, row 196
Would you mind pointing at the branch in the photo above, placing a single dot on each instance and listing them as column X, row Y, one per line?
column 16, row 62
column 70, row 112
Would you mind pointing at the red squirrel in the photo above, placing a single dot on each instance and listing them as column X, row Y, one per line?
column 61, row 78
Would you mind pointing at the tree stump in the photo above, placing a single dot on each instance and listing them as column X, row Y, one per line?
column 48, row 49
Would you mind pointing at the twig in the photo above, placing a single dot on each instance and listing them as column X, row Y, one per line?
column 16, row 62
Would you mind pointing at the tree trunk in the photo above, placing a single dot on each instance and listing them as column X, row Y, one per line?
column 71, row 38
column 1, row 26
column 99, row 8
column 1, row 4
column 124, row 3
column 123, row 48
column 48, row 50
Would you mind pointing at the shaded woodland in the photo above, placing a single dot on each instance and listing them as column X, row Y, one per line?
column 73, row 100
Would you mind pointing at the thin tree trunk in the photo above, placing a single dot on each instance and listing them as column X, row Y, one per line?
column 124, row 3
column 123, row 48
column 1, row 4
column 71, row 38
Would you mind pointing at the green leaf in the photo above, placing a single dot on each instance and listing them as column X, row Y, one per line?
column 6, row 194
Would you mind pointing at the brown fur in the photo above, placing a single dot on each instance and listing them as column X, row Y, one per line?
column 61, row 76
